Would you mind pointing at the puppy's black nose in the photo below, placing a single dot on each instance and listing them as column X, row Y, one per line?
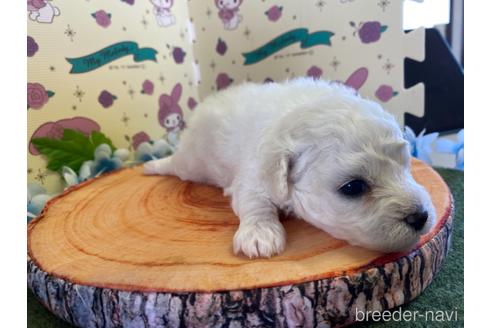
column 417, row 220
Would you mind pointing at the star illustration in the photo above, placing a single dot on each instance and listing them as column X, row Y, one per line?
column 335, row 63
column 131, row 92
column 247, row 32
column 69, row 32
column 388, row 66
column 320, row 4
column 41, row 176
column 79, row 94
column 144, row 22
column 383, row 4
column 125, row 119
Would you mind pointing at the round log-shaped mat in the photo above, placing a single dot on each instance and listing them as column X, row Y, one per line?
column 150, row 251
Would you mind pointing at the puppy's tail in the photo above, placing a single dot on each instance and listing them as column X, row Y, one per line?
column 162, row 166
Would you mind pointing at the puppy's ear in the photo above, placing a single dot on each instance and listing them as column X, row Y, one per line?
column 282, row 168
column 275, row 167
column 400, row 151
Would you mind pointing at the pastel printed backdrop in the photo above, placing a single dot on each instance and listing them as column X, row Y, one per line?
column 119, row 98
column 358, row 42
column 135, row 69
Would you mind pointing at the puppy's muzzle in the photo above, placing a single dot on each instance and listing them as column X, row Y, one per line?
column 417, row 220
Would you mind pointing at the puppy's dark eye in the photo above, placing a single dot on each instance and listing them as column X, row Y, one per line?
column 354, row 188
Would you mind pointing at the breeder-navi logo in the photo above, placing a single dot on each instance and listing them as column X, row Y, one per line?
column 115, row 51
column 406, row 315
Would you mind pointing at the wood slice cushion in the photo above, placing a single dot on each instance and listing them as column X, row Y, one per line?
column 128, row 247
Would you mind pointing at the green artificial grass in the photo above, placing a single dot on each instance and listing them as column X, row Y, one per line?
column 446, row 292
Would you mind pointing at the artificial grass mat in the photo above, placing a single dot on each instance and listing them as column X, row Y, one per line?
column 445, row 293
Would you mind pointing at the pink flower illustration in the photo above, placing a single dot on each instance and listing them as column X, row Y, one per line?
column 369, row 32
column 147, row 87
column 106, row 99
column 223, row 81
column 274, row 13
column 221, row 47
column 385, row 93
column 102, row 18
column 178, row 55
column 315, row 72
column 191, row 103
column 37, row 96
column 138, row 138
column 35, row 5
column 32, row 47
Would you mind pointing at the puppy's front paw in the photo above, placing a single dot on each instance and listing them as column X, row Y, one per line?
column 159, row 166
column 150, row 168
column 260, row 239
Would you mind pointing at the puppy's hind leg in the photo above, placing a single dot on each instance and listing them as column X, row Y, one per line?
column 163, row 166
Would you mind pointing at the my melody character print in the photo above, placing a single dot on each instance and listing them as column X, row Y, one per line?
column 171, row 115
column 42, row 11
column 229, row 13
column 162, row 12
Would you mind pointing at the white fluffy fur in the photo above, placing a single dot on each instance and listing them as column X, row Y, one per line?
column 290, row 146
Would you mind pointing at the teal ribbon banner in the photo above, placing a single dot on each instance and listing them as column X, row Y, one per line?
column 301, row 35
column 102, row 57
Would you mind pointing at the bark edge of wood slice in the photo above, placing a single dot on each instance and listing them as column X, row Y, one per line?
column 97, row 261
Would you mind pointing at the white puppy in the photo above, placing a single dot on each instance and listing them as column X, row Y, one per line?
column 313, row 148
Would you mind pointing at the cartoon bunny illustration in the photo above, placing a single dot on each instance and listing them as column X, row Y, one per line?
column 170, row 114
column 162, row 12
column 228, row 13
column 42, row 11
